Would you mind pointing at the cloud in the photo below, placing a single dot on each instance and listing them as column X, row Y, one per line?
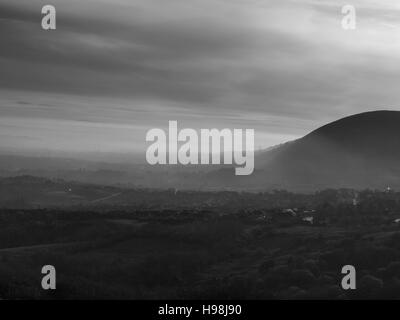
column 282, row 68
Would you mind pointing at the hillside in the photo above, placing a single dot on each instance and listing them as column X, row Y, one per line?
column 360, row 151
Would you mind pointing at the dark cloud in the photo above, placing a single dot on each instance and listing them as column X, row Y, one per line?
column 188, row 59
column 279, row 67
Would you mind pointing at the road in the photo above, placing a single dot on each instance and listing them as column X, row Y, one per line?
column 106, row 198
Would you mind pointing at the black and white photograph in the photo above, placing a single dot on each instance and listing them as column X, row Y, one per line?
column 199, row 150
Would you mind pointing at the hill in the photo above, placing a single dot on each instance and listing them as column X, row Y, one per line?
column 360, row 151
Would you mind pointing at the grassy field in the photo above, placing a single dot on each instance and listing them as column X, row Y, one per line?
column 134, row 255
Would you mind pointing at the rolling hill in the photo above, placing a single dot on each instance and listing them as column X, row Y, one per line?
column 359, row 151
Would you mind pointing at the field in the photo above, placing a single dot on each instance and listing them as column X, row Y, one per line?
column 264, row 251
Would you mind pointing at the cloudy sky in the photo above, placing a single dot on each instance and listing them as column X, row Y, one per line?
column 114, row 69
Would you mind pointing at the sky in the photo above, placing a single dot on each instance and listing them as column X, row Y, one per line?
column 114, row 69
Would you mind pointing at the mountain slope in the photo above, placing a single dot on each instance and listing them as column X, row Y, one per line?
column 359, row 151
